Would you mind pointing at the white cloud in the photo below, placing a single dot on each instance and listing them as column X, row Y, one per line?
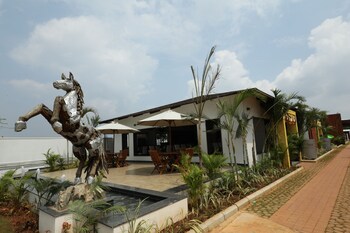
column 162, row 26
column 323, row 77
column 234, row 75
column 113, row 67
column 30, row 87
column 233, row 13
column 176, row 27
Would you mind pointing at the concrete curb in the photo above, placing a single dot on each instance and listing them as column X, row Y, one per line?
column 316, row 160
column 219, row 218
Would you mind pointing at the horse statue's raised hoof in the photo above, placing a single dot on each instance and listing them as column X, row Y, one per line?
column 20, row 125
column 57, row 127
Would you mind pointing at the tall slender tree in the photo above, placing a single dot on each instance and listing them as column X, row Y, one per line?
column 226, row 113
column 204, row 84
column 242, row 132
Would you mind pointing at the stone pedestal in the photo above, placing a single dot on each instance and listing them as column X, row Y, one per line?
column 52, row 221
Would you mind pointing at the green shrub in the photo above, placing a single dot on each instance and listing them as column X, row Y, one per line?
column 51, row 159
column 46, row 189
column 193, row 177
column 19, row 189
column 295, row 144
column 61, row 163
column 338, row 140
column 6, row 182
column 213, row 164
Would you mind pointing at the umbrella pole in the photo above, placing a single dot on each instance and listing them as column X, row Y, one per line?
column 113, row 142
column 170, row 140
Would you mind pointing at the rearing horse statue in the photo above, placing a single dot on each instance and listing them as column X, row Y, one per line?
column 65, row 120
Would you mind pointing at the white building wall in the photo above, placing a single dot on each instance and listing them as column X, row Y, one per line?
column 250, row 106
column 28, row 150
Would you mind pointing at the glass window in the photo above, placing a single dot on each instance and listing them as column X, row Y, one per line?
column 214, row 141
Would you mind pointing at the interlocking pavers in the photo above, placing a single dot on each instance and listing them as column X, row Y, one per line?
column 313, row 204
column 340, row 217
column 306, row 201
column 270, row 202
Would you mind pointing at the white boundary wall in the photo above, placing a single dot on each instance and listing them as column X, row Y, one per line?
column 29, row 150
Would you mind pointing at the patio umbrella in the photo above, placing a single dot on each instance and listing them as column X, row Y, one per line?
column 115, row 128
column 169, row 119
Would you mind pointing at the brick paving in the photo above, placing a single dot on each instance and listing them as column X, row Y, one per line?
column 317, row 200
column 309, row 201
column 309, row 210
column 340, row 217
column 270, row 202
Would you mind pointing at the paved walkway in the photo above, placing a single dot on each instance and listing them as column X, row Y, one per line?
column 310, row 209
column 340, row 217
column 306, row 202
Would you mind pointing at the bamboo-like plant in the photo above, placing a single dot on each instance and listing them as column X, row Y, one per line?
column 203, row 86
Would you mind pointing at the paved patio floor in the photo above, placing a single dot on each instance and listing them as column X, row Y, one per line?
column 135, row 175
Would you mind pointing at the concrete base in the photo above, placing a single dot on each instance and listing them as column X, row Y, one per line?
column 54, row 222
column 165, row 209
column 160, row 218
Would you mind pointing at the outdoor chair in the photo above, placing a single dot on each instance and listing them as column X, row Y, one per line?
column 110, row 157
column 160, row 163
column 189, row 152
column 121, row 158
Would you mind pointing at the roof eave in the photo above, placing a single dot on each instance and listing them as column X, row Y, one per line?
column 263, row 96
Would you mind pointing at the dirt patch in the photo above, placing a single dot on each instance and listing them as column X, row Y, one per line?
column 21, row 218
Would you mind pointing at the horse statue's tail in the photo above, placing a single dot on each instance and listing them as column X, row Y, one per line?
column 103, row 165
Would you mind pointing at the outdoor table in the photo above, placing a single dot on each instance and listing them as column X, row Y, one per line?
column 173, row 158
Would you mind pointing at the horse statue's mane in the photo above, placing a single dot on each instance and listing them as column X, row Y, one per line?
column 80, row 94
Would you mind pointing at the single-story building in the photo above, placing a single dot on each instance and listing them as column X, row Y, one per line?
column 214, row 139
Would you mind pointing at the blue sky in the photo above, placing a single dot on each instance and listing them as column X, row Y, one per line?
column 132, row 55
